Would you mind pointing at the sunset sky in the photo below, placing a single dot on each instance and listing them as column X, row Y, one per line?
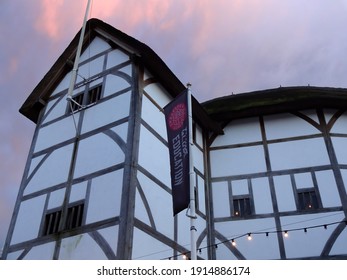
column 220, row 46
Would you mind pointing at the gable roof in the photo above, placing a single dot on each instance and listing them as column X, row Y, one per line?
column 95, row 27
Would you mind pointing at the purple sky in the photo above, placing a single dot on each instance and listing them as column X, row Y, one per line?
column 220, row 46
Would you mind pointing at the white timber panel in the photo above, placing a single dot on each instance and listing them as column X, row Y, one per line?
column 28, row 219
column 56, row 198
column 153, row 116
column 328, row 189
column 300, row 244
column 262, row 196
column 105, row 197
column 96, row 153
column 340, row 125
column 160, row 204
column 199, row 136
column 159, row 94
column 154, row 156
column 201, row 194
column 198, row 159
column 110, row 234
column 146, row 247
column 90, row 69
column 60, row 107
column 245, row 160
column 284, row 193
column 114, row 84
column 303, row 180
column 96, row 46
column 104, row 113
column 339, row 247
column 287, row 125
column 115, row 58
column 78, row 192
column 260, row 247
column 80, row 247
column 239, row 187
column 63, row 85
column 344, row 176
column 298, row 154
column 41, row 252
column 53, row 171
column 55, row 133
column 221, row 199
column 239, row 131
column 340, row 145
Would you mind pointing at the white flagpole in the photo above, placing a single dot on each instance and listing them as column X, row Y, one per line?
column 192, row 214
column 78, row 54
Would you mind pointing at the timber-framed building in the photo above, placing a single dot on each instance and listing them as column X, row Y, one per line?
column 97, row 180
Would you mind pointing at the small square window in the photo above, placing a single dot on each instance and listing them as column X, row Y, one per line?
column 78, row 102
column 242, row 207
column 308, row 199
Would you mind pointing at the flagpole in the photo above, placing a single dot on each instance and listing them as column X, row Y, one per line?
column 78, row 54
column 192, row 214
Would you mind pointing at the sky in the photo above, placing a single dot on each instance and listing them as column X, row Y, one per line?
column 220, row 46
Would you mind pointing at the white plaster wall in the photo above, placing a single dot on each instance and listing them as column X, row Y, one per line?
column 48, row 174
column 41, row 252
column 159, row 94
column 78, row 191
column 284, row 193
column 239, row 131
column 340, row 125
column 90, row 69
column 116, row 57
column 300, row 244
column 55, row 133
column 339, row 247
column 114, row 84
column 260, row 247
column 104, row 113
column 153, row 116
column 221, row 199
column 245, row 160
column 201, row 194
column 28, row 220
column 262, row 196
column 105, row 197
column 96, row 46
column 56, row 198
column 60, row 107
column 96, row 153
column 80, row 247
column 160, row 202
column 145, row 247
column 239, row 187
column 340, row 145
column 303, row 180
column 297, row 154
column 154, row 156
column 328, row 189
column 287, row 125
column 344, row 176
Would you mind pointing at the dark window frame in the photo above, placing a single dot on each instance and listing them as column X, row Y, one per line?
column 242, row 206
column 308, row 199
column 53, row 218
column 85, row 99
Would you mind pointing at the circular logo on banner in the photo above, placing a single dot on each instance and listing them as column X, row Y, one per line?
column 177, row 116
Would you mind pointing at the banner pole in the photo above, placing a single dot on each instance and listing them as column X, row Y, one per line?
column 192, row 214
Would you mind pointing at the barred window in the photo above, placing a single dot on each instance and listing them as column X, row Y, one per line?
column 307, row 199
column 85, row 99
column 242, row 207
column 53, row 219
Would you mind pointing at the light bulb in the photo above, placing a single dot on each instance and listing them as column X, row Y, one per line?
column 233, row 242
column 285, row 233
column 249, row 236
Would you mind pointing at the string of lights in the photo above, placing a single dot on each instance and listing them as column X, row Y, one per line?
column 249, row 236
